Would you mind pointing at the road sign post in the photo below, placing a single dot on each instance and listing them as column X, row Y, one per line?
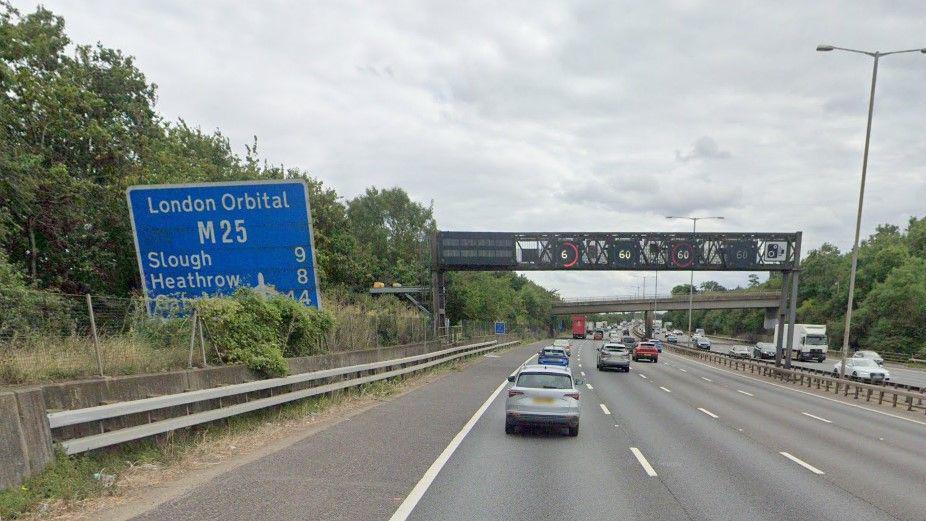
column 194, row 240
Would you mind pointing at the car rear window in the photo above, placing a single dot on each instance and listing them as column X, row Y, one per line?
column 544, row 381
column 615, row 349
column 553, row 352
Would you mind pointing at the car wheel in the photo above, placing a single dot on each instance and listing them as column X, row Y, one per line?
column 599, row 367
column 509, row 428
column 655, row 360
column 574, row 431
column 854, row 374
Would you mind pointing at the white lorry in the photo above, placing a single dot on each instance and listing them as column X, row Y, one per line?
column 810, row 342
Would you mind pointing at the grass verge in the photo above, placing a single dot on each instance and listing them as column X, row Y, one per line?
column 73, row 483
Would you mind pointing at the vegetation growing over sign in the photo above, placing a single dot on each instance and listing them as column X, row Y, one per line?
column 260, row 331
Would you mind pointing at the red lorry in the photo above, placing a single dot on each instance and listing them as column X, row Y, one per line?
column 578, row 326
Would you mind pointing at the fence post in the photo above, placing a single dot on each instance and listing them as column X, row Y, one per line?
column 202, row 343
column 96, row 338
column 192, row 339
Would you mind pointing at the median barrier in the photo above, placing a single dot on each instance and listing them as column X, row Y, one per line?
column 813, row 378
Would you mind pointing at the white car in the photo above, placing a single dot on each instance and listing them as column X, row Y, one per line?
column 543, row 395
column 872, row 355
column 565, row 344
column 740, row 352
column 863, row 369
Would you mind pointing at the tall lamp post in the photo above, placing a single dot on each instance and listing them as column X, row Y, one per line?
column 694, row 229
column 861, row 193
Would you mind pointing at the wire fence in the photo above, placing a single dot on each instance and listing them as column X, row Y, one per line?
column 48, row 336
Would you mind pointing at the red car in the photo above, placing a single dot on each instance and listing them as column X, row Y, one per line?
column 645, row 351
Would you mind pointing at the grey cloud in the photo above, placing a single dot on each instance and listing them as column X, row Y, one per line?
column 553, row 116
column 704, row 148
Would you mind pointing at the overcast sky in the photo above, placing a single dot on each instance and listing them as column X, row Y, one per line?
column 535, row 116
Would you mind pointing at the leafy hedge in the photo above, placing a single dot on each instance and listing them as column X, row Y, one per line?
column 260, row 332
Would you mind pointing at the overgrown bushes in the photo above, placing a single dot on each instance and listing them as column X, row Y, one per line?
column 260, row 332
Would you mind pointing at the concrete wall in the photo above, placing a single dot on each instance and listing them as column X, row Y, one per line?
column 26, row 440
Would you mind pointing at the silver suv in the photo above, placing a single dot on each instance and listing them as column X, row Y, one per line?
column 614, row 356
column 543, row 395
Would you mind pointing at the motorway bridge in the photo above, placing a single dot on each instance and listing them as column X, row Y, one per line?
column 719, row 300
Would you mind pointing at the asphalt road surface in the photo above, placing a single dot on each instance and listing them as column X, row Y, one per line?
column 899, row 374
column 721, row 446
column 673, row 440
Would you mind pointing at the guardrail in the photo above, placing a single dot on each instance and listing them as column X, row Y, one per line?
column 737, row 341
column 812, row 378
column 100, row 413
column 899, row 358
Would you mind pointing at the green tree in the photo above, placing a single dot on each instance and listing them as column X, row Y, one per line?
column 392, row 233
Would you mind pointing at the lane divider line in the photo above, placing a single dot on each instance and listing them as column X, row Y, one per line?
column 766, row 382
column 824, row 420
column 683, row 370
column 589, row 386
column 643, row 376
column 744, row 392
column 583, row 373
column 802, row 463
column 604, row 408
column 707, row 412
column 643, row 463
column 413, row 497
column 664, row 389
column 706, row 379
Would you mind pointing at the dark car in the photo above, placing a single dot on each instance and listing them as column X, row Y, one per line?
column 629, row 341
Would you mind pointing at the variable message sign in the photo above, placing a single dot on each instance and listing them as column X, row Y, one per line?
column 643, row 251
column 205, row 239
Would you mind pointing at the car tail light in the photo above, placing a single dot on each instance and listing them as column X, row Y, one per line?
column 574, row 396
column 512, row 392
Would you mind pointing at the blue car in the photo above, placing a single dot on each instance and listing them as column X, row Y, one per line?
column 553, row 356
column 657, row 343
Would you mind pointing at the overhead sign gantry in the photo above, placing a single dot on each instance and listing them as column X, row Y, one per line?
column 628, row 251
column 617, row 251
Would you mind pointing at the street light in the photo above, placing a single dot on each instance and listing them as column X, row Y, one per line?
column 861, row 193
column 694, row 228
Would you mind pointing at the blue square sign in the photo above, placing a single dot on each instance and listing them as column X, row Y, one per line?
column 195, row 240
column 499, row 328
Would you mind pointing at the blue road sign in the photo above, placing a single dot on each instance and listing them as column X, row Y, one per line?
column 499, row 328
column 212, row 238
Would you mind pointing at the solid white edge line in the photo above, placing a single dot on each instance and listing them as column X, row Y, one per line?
column 604, row 408
column 707, row 412
column 643, row 463
column 816, row 417
column 802, row 463
column 411, row 501
column 800, row 391
column 664, row 389
column 744, row 392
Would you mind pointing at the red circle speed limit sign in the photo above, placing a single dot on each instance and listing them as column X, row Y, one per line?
column 568, row 254
column 682, row 255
